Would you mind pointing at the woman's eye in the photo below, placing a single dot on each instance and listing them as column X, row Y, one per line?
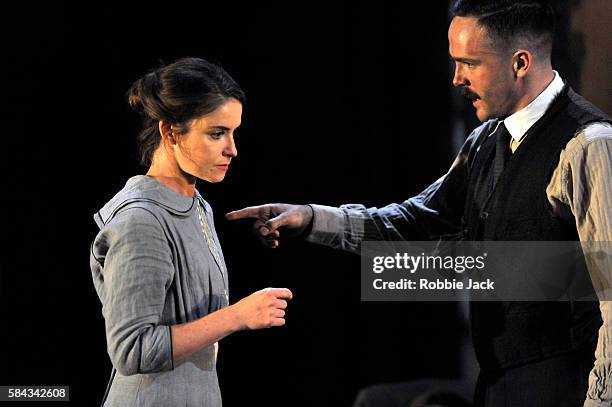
column 217, row 134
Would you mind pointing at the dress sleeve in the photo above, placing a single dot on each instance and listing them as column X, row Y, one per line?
column 136, row 270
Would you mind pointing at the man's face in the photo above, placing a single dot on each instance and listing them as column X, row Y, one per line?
column 483, row 73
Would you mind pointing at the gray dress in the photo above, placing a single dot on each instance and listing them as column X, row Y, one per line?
column 152, row 268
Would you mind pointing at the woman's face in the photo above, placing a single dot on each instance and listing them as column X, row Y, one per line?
column 207, row 149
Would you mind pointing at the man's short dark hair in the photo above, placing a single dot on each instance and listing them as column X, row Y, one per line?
column 527, row 21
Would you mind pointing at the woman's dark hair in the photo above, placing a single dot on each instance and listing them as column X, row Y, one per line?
column 178, row 93
column 507, row 20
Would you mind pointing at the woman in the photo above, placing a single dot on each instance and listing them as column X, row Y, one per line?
column 156, row 263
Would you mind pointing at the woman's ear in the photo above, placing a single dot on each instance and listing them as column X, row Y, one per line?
column 521, row 63
column 166, row 132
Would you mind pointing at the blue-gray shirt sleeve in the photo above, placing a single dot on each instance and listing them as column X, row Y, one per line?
column 434, row 214
column 134, row 269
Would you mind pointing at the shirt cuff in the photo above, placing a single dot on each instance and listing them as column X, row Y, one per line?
column 327, row 225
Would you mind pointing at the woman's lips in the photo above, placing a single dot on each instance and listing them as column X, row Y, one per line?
column 222, row 167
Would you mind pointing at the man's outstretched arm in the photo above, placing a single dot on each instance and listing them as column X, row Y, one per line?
column 433, row 214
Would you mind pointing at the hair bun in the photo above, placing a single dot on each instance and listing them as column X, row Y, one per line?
column 142, row 92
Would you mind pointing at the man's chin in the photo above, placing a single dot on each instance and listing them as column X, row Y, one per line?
column 483, row 115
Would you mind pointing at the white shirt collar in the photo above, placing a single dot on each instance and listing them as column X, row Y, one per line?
column 519, row 122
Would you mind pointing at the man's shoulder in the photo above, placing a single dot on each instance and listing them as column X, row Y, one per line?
column 595, row 131
column 595, row 137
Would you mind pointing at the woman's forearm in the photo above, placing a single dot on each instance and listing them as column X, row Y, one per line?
column 192, row 336
column 262, row 309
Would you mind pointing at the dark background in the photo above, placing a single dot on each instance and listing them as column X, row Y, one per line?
column 344, row 104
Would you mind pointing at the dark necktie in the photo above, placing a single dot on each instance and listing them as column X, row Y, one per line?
column 502, row 151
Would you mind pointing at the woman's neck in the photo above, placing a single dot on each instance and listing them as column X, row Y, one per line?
column 172, row 177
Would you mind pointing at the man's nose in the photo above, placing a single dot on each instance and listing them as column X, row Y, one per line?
column 459, row 77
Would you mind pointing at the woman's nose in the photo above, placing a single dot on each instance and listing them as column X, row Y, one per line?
column 230, row 148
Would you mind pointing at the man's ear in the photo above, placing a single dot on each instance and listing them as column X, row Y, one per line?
column 166, row 132
column 521, row 62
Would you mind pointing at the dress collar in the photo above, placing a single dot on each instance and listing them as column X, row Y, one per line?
column 142, row 188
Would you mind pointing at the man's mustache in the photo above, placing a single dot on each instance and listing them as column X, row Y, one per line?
column 466, row 93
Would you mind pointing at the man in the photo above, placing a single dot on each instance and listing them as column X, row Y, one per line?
column 538, row 168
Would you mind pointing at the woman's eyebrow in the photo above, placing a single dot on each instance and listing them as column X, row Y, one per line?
column 218, row 128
